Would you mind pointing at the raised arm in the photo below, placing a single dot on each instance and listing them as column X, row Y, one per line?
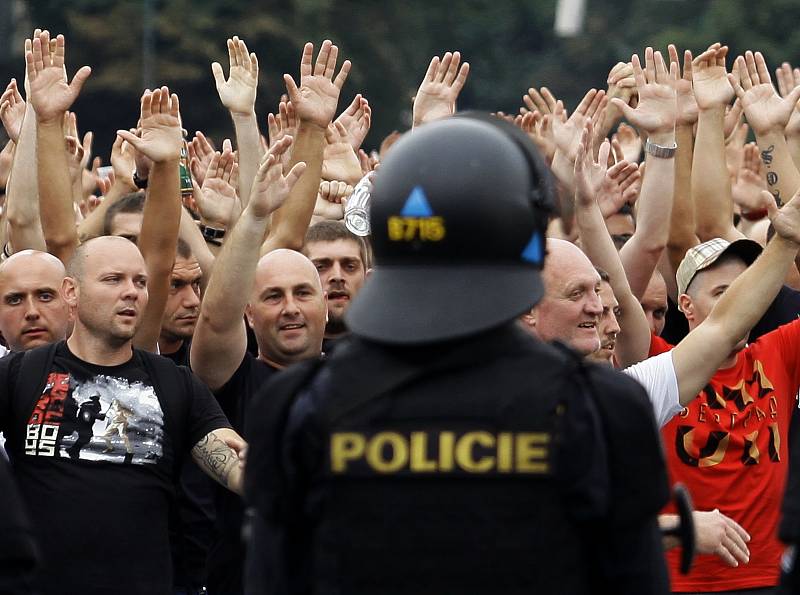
column 768, row 113
column 51, row 96
column 682, row 234
column 161, row 142
column 655, row 117
column 238, row 95
column 633, row 340
column 220, row 339
column 22, row 194
column 711, row 185
column 438, row 92
column 703, row 350
column 314, row 103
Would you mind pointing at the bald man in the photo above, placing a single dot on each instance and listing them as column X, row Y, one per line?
column 281, row 299
column 32, row 311
column 108, row 428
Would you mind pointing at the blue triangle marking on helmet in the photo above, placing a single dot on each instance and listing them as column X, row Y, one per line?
column 417, row 204
column 533, row 251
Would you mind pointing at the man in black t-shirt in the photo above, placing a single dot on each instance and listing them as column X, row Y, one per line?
column 114, row 488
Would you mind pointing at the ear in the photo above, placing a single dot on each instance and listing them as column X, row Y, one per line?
column 325, row 301
column 248, row 314
column 686, row 305
column 529, row 319
column 368, row 273
column 70, row 291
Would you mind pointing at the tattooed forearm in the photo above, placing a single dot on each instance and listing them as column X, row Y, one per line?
column 216, row 458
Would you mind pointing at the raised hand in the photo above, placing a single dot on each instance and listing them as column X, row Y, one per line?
column 620, row 186
column 542, row 101
column 710, row 78
column 540, row 131
column 51, row 95
column 750, row 181
column 439, row 90
column 687, row 104
column 123, row 161
column 161, row 136
column 621, row 84
column 218, row 203
column 340, row 161
column 356, row 119
column 272, row 185
column 589, row 174
column 567, row 131
column 630, row 143
column 238, row 93
column 201, row 151
column 657, row 108
column 788, row 78
column 12, row 110
column 316, row 98
column 765, row 110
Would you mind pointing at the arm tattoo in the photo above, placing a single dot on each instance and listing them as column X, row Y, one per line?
column 766, row 155
column 215, row 457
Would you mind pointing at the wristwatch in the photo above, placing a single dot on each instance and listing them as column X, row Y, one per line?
column 212, row 233
column 659, row 150
column 139, row 182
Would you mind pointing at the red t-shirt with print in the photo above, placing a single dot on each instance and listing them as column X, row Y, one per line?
column 730, row 448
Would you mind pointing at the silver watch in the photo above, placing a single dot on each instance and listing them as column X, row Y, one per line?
column 659, row 150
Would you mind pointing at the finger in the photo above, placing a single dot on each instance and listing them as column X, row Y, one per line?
column 291, row 87
column 616, row 147
column 164, row 100
column 219, row 76
column 534, row 101
column 673, row 53
column 305, row 62
column 322, row 58
column 295, row 173
column 430, row 75
column 638, row 73
column 744, row 535
column 781, row 80
column 330, row 66
column 342, row 76
column 79, row 79
column 661, row 67
column 627, row 110
column 605, row 150
column 597, row 102
column 649, row 65
column 734, row 544
column 461, row 78
column 585, row 102
column 687, row 65
column 550, row 100
column 772, row 207
column 132, row 139
column 254, row 66
column 761, row 68
column 231, row 54
column 452, row 69
column 752, row 69
column 442, row 72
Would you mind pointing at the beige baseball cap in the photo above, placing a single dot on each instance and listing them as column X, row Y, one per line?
column 704, row 255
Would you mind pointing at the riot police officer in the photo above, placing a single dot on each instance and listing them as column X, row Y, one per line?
column 441, row 449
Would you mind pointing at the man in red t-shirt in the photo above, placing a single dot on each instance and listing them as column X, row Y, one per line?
column 729, row 445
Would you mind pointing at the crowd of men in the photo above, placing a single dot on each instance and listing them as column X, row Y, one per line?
column 673, row 258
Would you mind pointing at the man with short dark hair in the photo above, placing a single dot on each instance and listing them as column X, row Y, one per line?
column 124, row 217
column 341, row 261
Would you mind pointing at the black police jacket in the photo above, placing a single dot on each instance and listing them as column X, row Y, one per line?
column 495, row 464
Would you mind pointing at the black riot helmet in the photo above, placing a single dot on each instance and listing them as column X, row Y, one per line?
column 458, row 214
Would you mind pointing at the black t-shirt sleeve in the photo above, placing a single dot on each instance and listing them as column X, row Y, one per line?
column 205, row 414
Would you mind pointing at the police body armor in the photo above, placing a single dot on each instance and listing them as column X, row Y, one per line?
column 476, row 467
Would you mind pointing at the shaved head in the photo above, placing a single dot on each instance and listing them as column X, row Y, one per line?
column 76, row 267
column 287, row 307
column 32, row 310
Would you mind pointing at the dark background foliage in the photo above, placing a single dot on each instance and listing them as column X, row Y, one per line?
column 510, row 45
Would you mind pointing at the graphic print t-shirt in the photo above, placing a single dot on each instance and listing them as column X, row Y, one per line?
column 95, row 464
column 730, row 448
